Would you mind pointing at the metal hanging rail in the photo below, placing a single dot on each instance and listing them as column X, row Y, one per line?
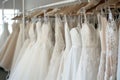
column 58, row 4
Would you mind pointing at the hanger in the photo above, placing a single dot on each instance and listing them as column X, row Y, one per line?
column 70, row 10
column 65, row 10
column 76, row 8
column 33, row 14
column 41, row 13
column 52, row 12
column 94, row 8
column 91, row 4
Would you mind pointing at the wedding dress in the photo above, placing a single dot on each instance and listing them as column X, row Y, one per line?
column 101, row 72
column 4, row 35
column 18, row 45
column 90, row 55
column 111, row 51
column 73, row 57
column 25, row 69
column 65, row 54
column 118, row 67
column 58, row 50
column 22, row 50
column 46, row 49
column 8, row 52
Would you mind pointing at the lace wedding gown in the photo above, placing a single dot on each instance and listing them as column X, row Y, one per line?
column 111, row 51
column 58, row 50
column 8, row 52
column 101, row 72
column 26, row 68
column 4, row 35
column 65, row 54
column 118, row 67
column 90, row 55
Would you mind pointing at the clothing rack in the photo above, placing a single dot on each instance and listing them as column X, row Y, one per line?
column 54, row 5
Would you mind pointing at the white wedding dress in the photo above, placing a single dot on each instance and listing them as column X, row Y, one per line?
column 111, row 51
column 58, row 50
column 27, row 65
column 45, row 49
column 118, row 67
column 90, row 55
column 72, row 61
column 68, row 44
column 8, row 51
column 4, row 35
column 22, row 50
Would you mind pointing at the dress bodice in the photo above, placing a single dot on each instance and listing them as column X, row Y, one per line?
column 32, row 32
column 38, row 30
column 89, row 36
column 59, row 33
column 75, row 37
column 46, row 32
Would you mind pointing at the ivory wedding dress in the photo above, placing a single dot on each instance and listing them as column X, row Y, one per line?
column 111, row 51
column 18, row 45
column 4, row 35
column 26, row 68
column 118, row 67
column 7, row 57
column 90, row 55
column 58, row 50
column 65, row 54
column 101, row 72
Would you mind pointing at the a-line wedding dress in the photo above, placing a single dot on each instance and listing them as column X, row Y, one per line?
column 58, row 50
column 103, row 24
column 24, row 70
column 4, row 35
column 68, row 44
column 90, row 55
column 111, row 51
column 8, row 53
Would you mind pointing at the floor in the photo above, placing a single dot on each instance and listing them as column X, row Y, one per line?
column 3, row 74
